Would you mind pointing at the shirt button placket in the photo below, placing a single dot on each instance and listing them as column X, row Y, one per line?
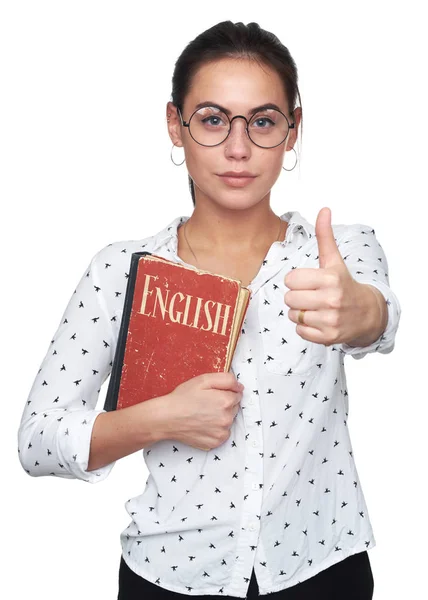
column 253, row 474
column 254, row 477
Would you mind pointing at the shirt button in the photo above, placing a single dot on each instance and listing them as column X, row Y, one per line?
column 252, row 527
column 255, row 486
column 250, row 401
column 254, row 443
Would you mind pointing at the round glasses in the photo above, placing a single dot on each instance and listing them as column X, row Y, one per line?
column 210, row 126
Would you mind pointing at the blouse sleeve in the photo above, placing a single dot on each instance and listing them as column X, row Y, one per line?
column 55, row 431
column 367, row 263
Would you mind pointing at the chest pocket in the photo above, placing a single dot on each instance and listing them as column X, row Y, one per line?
column 284, row 352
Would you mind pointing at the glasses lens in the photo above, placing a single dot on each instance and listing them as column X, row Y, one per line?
column 268, row 128
column 209, row 126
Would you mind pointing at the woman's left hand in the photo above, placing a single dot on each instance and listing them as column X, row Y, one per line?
column 338, row 308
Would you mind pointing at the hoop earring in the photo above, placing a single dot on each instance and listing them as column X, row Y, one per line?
column 176, row 164
column 294, row 163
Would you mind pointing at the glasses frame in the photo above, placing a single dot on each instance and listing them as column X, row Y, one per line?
column 187, row 124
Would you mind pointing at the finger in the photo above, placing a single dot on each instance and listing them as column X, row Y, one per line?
column 304, row 300
column 307, row 279
column 328, row 252
column 310, row 318
column 312, row 334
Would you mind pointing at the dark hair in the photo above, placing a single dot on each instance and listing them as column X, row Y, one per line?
column 234, row 40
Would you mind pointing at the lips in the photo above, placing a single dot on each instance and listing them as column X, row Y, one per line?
column 237, row 174
column 236, row 181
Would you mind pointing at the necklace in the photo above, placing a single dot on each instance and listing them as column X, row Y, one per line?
column 191, row 249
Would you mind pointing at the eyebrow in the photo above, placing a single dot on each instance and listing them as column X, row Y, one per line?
column 229, row 112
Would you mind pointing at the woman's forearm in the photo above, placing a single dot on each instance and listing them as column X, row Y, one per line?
column 117, row 433
column 378, row 308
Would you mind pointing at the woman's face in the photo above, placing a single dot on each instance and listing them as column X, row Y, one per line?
column 237, row 85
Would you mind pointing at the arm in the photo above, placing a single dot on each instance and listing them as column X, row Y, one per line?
column 377, row 311
column 56, row 425
column 367, row 263
column 121, row 432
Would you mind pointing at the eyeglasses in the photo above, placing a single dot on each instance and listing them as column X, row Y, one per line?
column 210, row 126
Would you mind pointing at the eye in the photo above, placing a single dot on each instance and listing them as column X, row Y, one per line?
column 261, row 119
column 209, row 120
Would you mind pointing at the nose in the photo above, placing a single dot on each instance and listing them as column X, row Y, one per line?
column 238, row 140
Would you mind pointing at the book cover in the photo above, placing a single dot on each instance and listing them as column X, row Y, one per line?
column 178, row 322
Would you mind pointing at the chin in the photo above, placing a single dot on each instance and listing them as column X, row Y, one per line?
column 240, row 201
column 229, row 197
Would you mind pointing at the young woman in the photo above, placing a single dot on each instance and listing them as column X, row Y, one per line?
column 253, row 489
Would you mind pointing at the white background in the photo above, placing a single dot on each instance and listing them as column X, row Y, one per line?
column 85, row 161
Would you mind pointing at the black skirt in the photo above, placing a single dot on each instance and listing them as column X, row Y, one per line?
column 349, row 579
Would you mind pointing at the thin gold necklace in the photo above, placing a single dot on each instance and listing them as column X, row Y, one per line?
column 191, row 249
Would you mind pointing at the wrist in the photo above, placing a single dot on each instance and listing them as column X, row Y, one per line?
column 161, row 417
column 381, row 317
column 376, row 316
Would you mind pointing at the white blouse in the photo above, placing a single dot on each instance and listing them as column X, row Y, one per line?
column 282, row 494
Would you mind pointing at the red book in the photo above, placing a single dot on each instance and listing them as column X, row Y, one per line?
column 178, row 322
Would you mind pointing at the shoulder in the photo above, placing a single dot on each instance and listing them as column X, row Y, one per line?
column 354, row 232
column 121, row 250
column 340, row 230
column 110, row 265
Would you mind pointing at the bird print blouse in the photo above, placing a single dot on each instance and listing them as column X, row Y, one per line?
column 282, row 494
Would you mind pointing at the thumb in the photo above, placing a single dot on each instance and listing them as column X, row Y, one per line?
column 328, row 251
column 222, row 380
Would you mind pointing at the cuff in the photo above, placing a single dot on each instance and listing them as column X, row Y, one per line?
column 386, row 341
column 74, row 442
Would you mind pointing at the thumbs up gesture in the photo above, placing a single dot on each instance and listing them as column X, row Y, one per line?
column 337, row 306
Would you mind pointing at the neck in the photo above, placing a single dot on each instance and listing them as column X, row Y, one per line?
column 234, row 233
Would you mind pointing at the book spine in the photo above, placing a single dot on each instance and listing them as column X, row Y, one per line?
column 116, row 373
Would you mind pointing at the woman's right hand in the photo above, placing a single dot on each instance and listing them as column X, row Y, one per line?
column 200, row 411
